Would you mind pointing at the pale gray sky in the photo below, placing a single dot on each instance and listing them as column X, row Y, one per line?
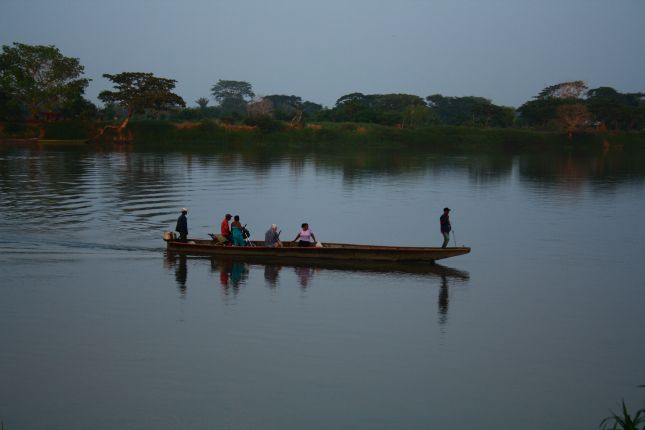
column 505, row 50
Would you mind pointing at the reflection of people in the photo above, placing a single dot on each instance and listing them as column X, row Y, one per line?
column 238, row 272
column 231, row 273
column 304, row 274
column 444, row 220
column 181, row 273
column 272, row 237
column 443, row 299
column 225, row 229
column 271, row 274
column 236, row 228
column 182, row 225
column 306, row 236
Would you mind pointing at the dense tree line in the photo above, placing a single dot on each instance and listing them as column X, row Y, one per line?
column 38, row 83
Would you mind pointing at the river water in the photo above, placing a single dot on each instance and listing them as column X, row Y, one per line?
column 541, row 326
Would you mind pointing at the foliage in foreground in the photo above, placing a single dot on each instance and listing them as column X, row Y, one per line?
column 624, row 421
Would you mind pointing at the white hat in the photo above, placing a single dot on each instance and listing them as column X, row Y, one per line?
column 184, row 210
column 274, row 226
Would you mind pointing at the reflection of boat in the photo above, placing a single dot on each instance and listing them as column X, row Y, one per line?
column 344, row 265
column 336, row 252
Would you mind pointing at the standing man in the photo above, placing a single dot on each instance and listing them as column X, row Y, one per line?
column 445, row 226
column 225, row 229
column 182, row 225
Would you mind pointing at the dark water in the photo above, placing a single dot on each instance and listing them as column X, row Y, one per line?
column 543, row 324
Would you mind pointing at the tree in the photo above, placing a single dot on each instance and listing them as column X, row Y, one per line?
column 470, row 111
column 572, row 117
column 40, row 77
column 388, row 109
column 564, row 90
column 137, row 92
column 261, row 107
column 286, row 108
column 232, row 96
column 539, row 112
column 545, row 108
column 202, row 102
column 614, row 109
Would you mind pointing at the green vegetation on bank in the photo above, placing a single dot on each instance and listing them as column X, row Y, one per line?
column 42, row 96
column 215, row 133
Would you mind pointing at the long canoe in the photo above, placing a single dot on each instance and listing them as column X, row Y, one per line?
column 328, row 252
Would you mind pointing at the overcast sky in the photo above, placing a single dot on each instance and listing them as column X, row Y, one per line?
column 504, row 50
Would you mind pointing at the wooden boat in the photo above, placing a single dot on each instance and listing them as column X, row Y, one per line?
column 328, row 252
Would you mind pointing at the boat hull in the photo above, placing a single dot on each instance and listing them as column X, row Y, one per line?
column 329, row 252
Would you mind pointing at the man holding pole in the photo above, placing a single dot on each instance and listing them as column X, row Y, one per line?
column 444, row 220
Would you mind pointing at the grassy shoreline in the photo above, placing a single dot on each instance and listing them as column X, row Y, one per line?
column 168, row 133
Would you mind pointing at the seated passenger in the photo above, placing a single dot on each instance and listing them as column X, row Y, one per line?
column 225, row 230
column 236, row 229
column 305, row 236
column 272, row 237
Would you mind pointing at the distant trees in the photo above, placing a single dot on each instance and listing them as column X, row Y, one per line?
column 615, row 110
column 570, row 106
column 386, row 109
column 41, row 80
column 293, row 108
column 570, row 90
column 232, row 96
column 137, row 92
column 472, row 111
column 260, row 107
column 38, row 82
column 202, row 102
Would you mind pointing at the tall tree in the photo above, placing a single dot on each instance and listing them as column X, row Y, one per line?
column 137, row 92
column 571, row 117
column 202, row 102
column 544, row 109
column 261, row 107
column 564, row 90
column 40, row 77
column 232, row 96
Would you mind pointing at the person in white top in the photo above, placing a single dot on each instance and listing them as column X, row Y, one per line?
column 306, row 236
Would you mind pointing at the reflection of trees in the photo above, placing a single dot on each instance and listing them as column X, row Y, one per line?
column 131, row 192
column 37, row 185
column 577, row 168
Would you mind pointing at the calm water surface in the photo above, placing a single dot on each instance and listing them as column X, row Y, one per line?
column 542, row 324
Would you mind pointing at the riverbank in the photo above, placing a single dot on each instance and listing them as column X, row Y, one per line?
column 169, row 133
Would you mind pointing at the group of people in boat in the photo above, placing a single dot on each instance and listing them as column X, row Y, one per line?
column 236, row 234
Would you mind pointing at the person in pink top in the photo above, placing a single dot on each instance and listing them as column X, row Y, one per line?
column 306, row 236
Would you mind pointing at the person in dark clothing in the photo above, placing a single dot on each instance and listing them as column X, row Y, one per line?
column 444, row 220
column 182, row 225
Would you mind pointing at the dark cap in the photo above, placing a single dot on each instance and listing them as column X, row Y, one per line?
column 446, row 209
column 228, row 216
